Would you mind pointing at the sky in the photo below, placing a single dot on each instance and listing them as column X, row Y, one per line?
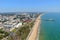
column 29, row 5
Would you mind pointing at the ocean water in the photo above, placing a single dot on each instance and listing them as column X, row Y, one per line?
column 50, row 30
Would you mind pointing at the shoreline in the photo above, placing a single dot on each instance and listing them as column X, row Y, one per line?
column 39, row 28
column 34, row 32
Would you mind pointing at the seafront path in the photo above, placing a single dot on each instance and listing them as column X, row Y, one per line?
column 34, row 32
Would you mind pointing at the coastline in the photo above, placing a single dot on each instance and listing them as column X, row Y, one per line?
column 39, row 28
column 33, row 35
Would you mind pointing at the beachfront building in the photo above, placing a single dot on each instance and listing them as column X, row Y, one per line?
column 7, row 27
column 19, row 24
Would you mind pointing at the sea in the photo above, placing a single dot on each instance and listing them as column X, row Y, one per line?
column 50, row 29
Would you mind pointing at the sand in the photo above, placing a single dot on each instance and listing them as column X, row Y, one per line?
column 34, row 31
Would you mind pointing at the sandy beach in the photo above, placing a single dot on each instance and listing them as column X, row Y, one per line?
column 34, row 31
